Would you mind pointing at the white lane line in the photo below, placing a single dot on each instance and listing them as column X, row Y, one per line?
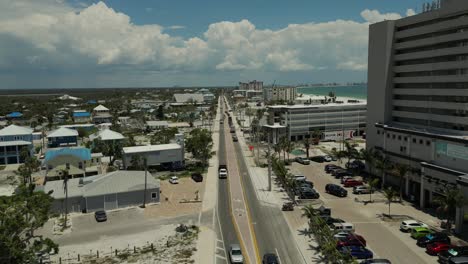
column 220, row 230
column 277, row 254
column 220, row 248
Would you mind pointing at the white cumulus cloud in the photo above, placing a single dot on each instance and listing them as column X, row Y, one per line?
column 96, row 37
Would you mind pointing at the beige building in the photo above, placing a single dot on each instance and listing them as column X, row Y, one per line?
column 286, row 94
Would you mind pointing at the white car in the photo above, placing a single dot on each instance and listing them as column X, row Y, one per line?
column 327, row 158
column 341, row 234
column 235, row 254
column 223, row 174
column 174, row 180
column 408, row 225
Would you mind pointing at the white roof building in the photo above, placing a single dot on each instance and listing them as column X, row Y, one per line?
column 14, row 130
column 185, row 98
column 151, row 148
column 63, row 132
column 68, row 97
column 107, row 134
column 101, row 108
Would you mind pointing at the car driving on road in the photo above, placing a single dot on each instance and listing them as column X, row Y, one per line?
column 100, row 216
column 270, row 258
column 235, row 254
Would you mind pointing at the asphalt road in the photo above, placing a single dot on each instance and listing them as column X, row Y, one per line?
column 272, row 232
column 228, row 232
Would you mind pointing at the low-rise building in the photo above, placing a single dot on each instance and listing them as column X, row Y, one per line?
column 170, row 155
column 335, row 121
column 154, row 125
column 107, row 135
column 101, row 114
column 118, row 189
column 81, row 116
column 12, row 140
column 62, row 137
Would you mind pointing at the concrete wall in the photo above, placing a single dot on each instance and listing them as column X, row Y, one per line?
column 120, row 200
column 157, row 157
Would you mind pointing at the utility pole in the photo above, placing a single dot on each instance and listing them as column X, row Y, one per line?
column 269, row 164
column 146, row 180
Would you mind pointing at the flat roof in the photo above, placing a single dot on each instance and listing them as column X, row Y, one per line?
column 304, row 106
column 150, row 148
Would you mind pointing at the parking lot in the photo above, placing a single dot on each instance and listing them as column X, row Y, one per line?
column 383, row 237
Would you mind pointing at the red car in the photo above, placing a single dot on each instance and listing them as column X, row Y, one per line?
column 437, row 247
column 351, row 240
column 352, row 183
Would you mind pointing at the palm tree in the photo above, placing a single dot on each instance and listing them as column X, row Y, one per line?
column 289, row 146
column 372, row 184
column 449, row 202
column 401, row 170
column 389, row 194
column 382, row 164
column 368, row 155
column 65, row 189
column 307, row 146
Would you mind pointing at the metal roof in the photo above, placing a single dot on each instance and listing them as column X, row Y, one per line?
column 81, row 114
column 150, row 148
column 107, row 134
column 157, row 123
column 184, row 98
column 79, row 152
column 63, row 132
column 114, row 182
column 14, row 130
column 15, row 114
column 101, row 108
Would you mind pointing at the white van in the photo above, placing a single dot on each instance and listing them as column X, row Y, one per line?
column 338, row 227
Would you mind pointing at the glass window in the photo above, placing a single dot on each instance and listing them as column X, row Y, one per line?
column 154, row 195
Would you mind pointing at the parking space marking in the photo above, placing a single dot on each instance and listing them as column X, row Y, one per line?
column 277, row 254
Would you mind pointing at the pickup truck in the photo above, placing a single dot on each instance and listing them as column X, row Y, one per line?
column 222, row 172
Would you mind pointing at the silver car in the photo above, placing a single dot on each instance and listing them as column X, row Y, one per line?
column 235, row 254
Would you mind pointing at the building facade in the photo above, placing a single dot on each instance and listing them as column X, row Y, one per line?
column 169, row 155
column 418, row 98
column 253, row 85
column 62, row 137
column 334, row 121
column 13, row 139
column 286, row 94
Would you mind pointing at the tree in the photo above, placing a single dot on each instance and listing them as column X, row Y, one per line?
column 289, row 147
column 368, row 155
column 350, row 152
column 306, row 143
column 30, row 165
column 382, row 164
column 164, row 136
column 449, row 202
column 136, row 162
column 373, row 183
column 20, row 216
column 160, row 112
column 389, row 194
column 191, row 118
column 401, row 170
column 200, row 143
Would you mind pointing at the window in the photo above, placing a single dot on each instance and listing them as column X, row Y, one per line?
column 414, row 140
column 399, row 137
column 406, row 138
column 421, row 141
column 378, row 132
column 428, row 143
column 154, row 195
column 393, row 136
column 388, row 135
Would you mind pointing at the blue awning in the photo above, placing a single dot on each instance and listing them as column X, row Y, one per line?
column 81, row 153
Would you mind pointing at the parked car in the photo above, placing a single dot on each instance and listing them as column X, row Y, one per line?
column 345, row 178
column 355, row 165
column 351, row 240
column 327, row 158
column 432, row 238
column 376, row 261
column 100, row 216
column 303, row 161
column 352, row 183
column 459, row 260
column 299, row 177
column 341, row 173
column 307, row 183
column 444, row 257
column 270, row 258
column 197, row 177
column 318, row 159
column 341, row 235
column 330, row 221
column 234, row 138
column 362, row 190
column 437, row 247
column 407, row 225
column 336, row 190
column 357, row 252
column 311, row 194
column 337, row 227
column 420, row 232
column 174, row 180
column 235, row 254
column 329, row 167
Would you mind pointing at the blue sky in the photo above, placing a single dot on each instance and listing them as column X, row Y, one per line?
column 128, row 43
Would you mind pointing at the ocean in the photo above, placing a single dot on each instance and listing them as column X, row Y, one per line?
column 357, row 91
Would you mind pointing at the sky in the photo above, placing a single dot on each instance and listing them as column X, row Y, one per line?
column 165, row 43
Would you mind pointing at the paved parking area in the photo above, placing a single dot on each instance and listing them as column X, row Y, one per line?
column 383, row 238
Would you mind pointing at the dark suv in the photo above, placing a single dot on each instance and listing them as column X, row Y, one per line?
column 336, row 190
column 445, row 256
column 432, row 238
column 340, row 173
column 309, row 194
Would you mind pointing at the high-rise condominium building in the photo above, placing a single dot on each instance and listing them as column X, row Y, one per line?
column 418, row 99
